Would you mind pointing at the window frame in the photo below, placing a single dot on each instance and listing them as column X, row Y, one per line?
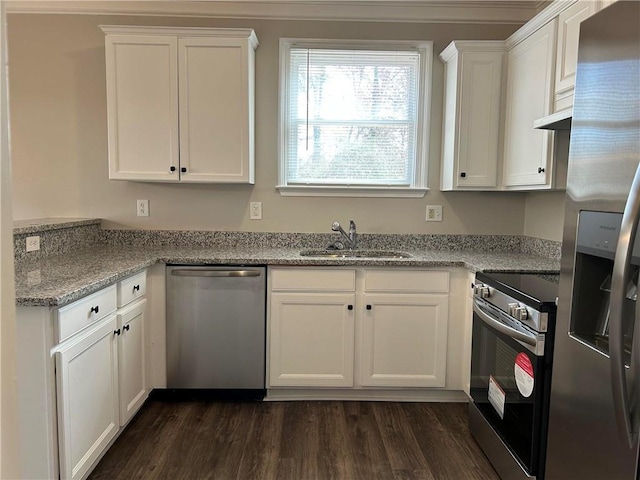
column 425, row 74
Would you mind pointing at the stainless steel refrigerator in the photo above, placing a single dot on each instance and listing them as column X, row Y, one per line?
column 595, row 397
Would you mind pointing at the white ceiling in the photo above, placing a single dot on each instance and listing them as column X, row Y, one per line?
column 428, row 11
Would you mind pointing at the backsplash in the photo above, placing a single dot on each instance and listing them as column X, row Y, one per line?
column 59, row 236
column 156, row 238
column 542, row 247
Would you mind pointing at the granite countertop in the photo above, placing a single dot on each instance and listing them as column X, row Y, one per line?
column 61, row 279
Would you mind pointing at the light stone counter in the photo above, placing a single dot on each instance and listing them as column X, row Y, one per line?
column 60, row 279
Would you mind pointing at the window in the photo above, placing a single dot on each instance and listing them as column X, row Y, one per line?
column 353, row 117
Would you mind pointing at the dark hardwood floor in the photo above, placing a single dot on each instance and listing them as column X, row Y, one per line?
column 296, row 441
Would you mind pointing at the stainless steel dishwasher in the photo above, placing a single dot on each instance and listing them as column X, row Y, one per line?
column 216, row 328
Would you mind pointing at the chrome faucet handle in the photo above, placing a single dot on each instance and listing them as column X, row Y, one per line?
column 353, row 236
column 350, row 237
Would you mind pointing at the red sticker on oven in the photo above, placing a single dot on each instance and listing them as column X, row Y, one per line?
column 524, row 374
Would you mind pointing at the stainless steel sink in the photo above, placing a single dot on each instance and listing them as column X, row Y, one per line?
column 354, row 254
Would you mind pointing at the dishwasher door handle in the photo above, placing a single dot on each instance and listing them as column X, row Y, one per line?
column 215, row 273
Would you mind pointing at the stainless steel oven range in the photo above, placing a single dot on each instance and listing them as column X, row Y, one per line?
column 511, row 358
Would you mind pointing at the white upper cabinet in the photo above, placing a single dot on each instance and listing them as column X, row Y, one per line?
column 142, row 106
column 472, row 108
column 605, row 3
column 528, row 153
column 180, row 104
column 567, row 51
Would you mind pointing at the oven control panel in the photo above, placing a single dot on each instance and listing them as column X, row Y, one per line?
column 510, row 306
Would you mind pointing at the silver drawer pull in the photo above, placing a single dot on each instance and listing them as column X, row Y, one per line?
column 216, row 273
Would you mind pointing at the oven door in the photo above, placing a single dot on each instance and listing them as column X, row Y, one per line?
column 508, row 381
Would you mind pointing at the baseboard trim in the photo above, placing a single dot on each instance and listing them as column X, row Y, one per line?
column 279, row 394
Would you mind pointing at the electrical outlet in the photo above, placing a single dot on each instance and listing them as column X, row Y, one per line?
column 143, row 208
column 256, row 210
column 434, row 213
column 33, row 243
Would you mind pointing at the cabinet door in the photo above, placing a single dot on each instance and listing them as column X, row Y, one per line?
column 404, row 340
column 311, row 340
column 528, row 152
column 472, row 119
column 216, row 110
column 131, row 360
column 142, row 107
column 480, row 88
column 605, row 3
column 87, row 385
column 567, row 54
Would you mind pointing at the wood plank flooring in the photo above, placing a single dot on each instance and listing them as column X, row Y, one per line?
column 296, row 441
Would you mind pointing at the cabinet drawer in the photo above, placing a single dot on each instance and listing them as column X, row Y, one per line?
column 79, row 315
column 406, row 281
column 131, row 288
column 306, row 279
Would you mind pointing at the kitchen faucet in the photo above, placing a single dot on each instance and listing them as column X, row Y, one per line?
column 351, row 237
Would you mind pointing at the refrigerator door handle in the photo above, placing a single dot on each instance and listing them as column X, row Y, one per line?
column 620, row 279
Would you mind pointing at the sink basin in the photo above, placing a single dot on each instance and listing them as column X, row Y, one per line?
column 354, row 254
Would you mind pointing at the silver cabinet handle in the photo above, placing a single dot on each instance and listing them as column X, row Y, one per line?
column 619, row 280
column 215, row 273
column 502, row 328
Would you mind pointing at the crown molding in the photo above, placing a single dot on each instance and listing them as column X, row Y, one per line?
column 537, row 22
column 421, row 11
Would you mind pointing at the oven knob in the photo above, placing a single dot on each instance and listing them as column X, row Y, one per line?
column 518, row 312
column 521, row 313
column 481, row 290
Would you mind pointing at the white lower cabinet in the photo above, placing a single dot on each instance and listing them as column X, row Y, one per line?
column 81, row 377
column 404, row 340
column 327, row 324
column 312, row 339
column 87, row 394
column 132, row 383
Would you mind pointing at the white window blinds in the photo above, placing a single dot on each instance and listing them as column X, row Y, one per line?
column 351, row 117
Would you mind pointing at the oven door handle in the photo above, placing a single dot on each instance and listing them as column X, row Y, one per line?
column 502, row 328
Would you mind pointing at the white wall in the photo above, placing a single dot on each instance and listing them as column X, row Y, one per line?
column 8, row 387
column 59, row 127
column 544, row 215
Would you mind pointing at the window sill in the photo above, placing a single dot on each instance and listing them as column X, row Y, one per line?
column 336, row 191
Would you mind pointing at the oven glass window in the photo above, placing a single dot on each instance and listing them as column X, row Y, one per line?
column 511, row 406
